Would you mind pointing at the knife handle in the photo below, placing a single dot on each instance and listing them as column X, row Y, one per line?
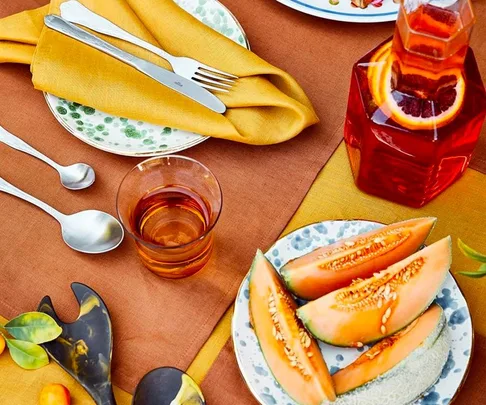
column 75, row 12
column 64, row 27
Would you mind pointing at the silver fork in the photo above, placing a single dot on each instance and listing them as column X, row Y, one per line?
column 201, row 74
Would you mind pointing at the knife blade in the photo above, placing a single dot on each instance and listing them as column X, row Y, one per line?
column 157, row 73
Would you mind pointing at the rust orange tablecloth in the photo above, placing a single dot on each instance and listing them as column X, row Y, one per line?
column 159, row 322
column 156, row 322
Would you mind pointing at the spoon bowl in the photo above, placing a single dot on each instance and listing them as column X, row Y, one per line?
column 92, row 232
column 167, row 386
column 77, row 177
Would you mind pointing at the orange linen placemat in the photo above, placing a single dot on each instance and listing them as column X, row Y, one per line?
column 156, row 322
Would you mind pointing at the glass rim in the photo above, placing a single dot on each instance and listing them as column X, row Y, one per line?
column 427, row 35
column 153, row 245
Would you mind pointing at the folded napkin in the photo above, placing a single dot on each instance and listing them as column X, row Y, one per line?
column 266, row 106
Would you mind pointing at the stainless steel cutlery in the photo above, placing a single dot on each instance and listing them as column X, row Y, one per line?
column 75, row 177
column 201, row 74
column 87, row 231
column 167, row 78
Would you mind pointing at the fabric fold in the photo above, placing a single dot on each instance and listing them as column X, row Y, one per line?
column 266, row 106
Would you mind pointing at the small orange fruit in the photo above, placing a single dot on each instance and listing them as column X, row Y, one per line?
column 2, row 344
column 55, row 394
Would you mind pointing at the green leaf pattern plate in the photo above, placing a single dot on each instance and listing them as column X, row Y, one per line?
column 127, row 137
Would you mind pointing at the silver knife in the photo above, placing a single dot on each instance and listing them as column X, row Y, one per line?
column 159, row 74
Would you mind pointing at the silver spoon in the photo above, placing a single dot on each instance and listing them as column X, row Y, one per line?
column 75, row 177
column 87, row 231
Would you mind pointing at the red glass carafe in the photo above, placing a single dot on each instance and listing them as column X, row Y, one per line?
column 416, row 105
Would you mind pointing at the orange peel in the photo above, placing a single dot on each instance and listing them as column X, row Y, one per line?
column 380, row 83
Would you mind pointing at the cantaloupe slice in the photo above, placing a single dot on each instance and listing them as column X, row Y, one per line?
column 335, row 266
column 398, row 369
column 291, row 353
column 379, row 306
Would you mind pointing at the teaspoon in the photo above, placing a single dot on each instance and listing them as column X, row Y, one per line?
column 75, row 177
column 86, row 231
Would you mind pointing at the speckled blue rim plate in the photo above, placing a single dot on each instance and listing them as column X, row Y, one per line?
column 344, row 11
column 250, row 359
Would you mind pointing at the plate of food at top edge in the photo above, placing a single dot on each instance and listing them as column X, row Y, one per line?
column 353, row 312
column 355, row 11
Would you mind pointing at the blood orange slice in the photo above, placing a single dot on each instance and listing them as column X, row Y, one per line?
column 411, row 108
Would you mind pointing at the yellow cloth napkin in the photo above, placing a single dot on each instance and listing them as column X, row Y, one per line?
column 266, row 106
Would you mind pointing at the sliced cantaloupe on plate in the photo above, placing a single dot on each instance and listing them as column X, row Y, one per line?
column 398, row 369
column 377, row 307
column 291, row 353
column 331, row 267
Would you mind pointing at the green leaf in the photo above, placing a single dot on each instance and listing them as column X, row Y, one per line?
column 480, row 273
column 27, row 355
column 34, row 327
column 470, row 252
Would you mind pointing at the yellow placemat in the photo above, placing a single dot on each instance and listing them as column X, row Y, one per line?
column 22, row 387
column 461, row 211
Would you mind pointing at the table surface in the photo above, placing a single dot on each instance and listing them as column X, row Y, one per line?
column 460, row 211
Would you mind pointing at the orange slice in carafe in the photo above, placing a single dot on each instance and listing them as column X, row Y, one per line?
column 411, row 108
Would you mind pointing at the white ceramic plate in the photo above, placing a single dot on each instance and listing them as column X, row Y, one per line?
column 344, row 11
column 127, row 137
column 252, row 364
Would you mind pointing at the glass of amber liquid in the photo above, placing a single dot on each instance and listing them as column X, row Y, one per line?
column 417, row 104
column 170, row 206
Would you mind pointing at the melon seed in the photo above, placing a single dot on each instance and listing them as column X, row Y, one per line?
column 307, row 341
column 359, row 344
column 388, row 312
column 310, row 354
column 380, row 303
column 384, row 319
column 383, row 329
column 349, row 243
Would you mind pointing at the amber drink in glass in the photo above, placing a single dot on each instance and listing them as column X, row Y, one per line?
column 170, row 206
column 416, row 105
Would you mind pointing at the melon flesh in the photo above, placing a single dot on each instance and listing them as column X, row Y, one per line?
column 291, row 353
column 377, row 307
column 332, row 267
column 400, row 368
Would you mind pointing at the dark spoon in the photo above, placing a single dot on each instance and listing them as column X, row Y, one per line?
column 85, row 346
column 84, row 350
column 167, row 386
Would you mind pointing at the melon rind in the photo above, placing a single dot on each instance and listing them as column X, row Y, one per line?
column 410, row 378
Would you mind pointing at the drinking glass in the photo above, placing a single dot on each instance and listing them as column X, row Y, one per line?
column 170, row 205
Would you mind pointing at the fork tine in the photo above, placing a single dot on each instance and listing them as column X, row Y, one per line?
column 208, row 87
column 213, row 76
column 202, row 78
column 214, row 70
